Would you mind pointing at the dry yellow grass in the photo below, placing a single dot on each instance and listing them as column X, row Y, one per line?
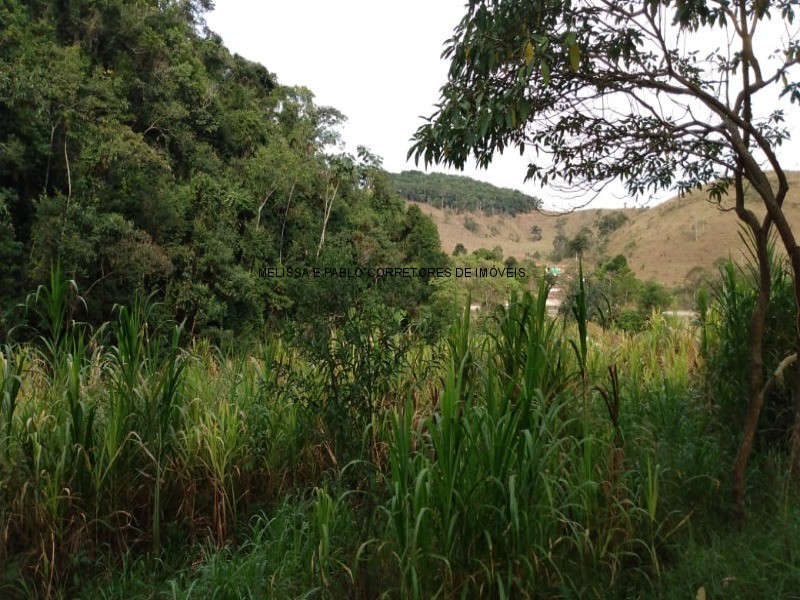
column 671, row 242
column 512, row 233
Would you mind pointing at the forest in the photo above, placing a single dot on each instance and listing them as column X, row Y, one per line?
column 142, row 156
column 235, row 362
column 461, row 193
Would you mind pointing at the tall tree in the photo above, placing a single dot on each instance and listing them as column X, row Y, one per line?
column 654, row 93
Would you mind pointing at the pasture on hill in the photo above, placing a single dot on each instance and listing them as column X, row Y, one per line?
column 676, row 242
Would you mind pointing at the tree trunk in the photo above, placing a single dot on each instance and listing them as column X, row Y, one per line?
column 755, row 374
column 326, row 215
column 795, row 462
column 283, row 225
column 261, row 207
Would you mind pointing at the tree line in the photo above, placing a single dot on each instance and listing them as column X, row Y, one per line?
column 461, row 193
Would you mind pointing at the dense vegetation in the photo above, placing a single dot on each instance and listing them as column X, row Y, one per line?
column 614, row 296
column 586, row 240
column 174, row 424
column 461, row 193
column 514, row 457
column 138, row 152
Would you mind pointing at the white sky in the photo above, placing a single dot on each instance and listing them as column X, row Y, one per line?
column 376, row 61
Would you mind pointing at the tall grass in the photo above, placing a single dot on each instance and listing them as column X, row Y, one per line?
column 106, row 447
column 726, row 347
column 519, row 456
column 503, row 490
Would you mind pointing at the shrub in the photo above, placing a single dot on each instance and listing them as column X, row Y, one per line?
column 631, row 321
column 485, row 254
column 653, row 296
column 609, row 223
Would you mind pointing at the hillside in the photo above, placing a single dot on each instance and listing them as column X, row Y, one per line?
column 459, row 192
column 671, row 240
column 675, row 243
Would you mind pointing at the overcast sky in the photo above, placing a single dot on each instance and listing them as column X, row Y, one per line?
column 377, row 61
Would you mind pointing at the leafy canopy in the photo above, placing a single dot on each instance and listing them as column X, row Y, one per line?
column 143, row 157
column 649, row 92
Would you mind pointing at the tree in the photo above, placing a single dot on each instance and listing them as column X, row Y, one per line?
column 560, row 242
column 608, row 223
column 581, row 242
column 637, row 91
column 653, row 296
column 462, row 193
column 470, row 225
column 340, row 169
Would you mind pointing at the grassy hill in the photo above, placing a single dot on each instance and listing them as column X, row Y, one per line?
column 676, row 242
column 671, row 240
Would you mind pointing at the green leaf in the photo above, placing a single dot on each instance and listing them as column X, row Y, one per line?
column 574, row 57
column 524, row 108
column 545, row 72
column 484, row 125
column 528, row 53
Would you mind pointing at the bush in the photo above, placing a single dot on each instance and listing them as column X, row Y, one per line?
column 485, row 254
column 610, row 222
column 631, row 321
column 653, row 296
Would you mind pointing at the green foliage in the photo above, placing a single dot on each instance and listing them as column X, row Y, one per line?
column 11, row 261
column 470, row 225
column 564, row 246
column 725, row 317
column 12, row 369
column 355, row 359
column 536, row 233
column 486, row 254
column 630, row 321
column 580, row 243
column 653, row 296
column 350, row 456
column 355, row 458
column 614, row 296
column 541, row 75
column 461, row 193
column 459, row 249
column 610, row 222
column 178, row 169
column 484, row 277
